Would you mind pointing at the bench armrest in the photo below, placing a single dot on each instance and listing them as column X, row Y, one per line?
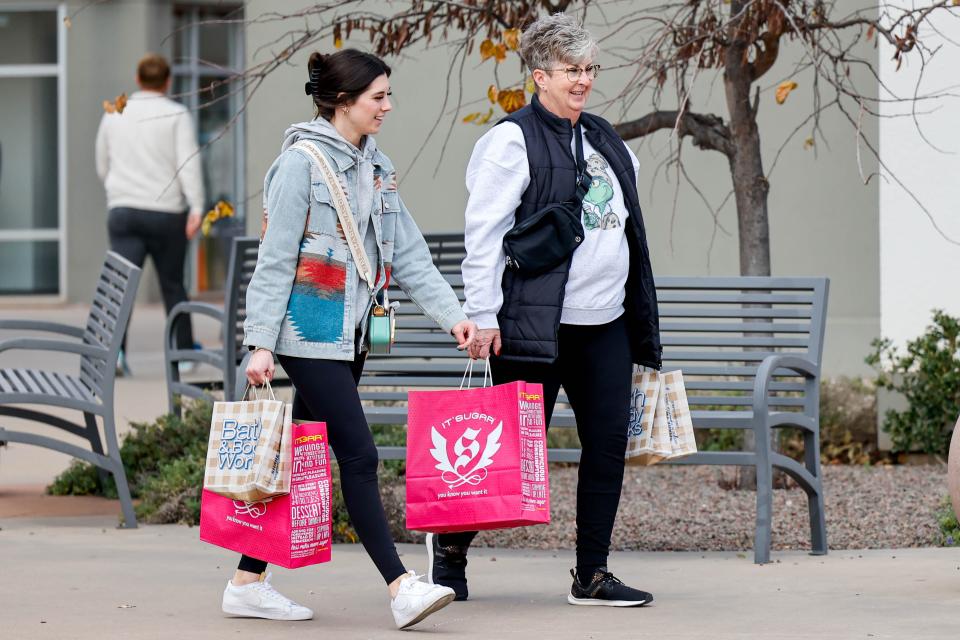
column 770, row 364
column 203, row 308
column 185, row 309
column 52, row 327
column 35, row 344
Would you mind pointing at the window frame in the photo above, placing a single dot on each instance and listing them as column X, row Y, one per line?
column 56, row 70
column 190, row 67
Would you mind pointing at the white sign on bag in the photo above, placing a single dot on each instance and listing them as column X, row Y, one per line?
column 466, row 448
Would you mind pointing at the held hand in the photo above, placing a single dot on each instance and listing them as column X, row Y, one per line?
column 193, row 224
column 260, row 368
column 487, row 342
column 465, row 332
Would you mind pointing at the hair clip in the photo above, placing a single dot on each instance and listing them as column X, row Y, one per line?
column 312, row 87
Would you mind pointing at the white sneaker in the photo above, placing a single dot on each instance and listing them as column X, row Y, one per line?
column 416, row 600
column 260, row 600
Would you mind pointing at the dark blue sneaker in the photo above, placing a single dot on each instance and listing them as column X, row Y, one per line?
column 605, row 590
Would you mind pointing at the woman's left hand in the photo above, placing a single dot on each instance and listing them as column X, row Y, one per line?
column 464, row 332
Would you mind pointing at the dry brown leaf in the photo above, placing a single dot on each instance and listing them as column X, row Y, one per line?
column 108, row 107
column 485, row 118
column 487, row 49
column 511, row 100
column 808, row 143
column 871, row 31
column 337, row 43
column 500, row 52
column 492, row 93
column 120, row 103
column 530, row 85
column 470, row 117
column 511, row 38
column 784, row 89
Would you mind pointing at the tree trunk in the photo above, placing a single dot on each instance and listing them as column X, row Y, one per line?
column 749, row 183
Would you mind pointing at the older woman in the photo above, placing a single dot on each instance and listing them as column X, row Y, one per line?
column 582, row 323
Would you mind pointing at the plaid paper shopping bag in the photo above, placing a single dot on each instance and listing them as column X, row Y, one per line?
column 646, row 444
column 673, row 415
column 248, row 455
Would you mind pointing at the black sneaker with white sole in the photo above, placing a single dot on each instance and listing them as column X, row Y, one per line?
column 447, row 566
column 606, row 590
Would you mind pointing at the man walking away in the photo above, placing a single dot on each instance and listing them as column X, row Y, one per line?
column 148, row 160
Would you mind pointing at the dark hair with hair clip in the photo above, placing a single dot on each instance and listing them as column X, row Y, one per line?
column 338, row 79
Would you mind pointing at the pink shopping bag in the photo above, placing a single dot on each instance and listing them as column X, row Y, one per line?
column 291, row 530
column 476, row 459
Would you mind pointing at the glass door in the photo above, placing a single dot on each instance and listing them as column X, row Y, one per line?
column 209, row 48
column 32, row 148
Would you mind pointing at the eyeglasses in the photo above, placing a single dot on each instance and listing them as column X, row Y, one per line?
column 574, row 73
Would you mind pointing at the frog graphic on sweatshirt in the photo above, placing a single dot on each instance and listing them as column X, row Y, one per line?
column 597, row 212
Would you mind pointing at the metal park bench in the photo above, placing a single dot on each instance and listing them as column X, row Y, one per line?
column 91, row 392
column 226, row 357
column 750, row 349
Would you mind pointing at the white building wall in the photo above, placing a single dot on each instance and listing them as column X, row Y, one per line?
column 919, row 266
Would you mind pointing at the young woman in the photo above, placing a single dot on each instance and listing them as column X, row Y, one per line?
column 308, row 304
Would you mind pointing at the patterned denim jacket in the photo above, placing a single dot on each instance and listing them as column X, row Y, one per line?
column 305, row 292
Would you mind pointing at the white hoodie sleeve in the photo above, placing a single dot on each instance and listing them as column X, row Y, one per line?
column 102, row 152
column 497, row 176
column 634, row 161
column 188, row 162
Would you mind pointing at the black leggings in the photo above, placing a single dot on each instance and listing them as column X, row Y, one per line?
column 327, row 392
column 594, row 368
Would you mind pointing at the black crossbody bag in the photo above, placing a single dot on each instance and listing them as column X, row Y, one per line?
column 549, row 236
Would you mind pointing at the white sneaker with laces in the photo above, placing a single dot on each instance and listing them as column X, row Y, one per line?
column 416, row 600
column 260, row 600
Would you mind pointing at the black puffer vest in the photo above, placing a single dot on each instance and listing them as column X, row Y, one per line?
column 530, row 315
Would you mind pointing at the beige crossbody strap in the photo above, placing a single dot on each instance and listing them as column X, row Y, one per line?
column 342, row 205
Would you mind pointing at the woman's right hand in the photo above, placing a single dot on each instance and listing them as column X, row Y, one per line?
column 260, row 367
column 486, row 343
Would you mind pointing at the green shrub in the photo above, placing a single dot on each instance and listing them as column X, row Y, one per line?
column 145, row 451
column 949, row 526
column 165, row 462
column 719, row 439
column 79, row 479
column 928, row 376
column 172, row 495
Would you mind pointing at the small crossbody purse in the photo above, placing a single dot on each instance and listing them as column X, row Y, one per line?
column 381, row 325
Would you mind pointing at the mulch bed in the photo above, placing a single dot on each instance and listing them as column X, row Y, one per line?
column 688, row 509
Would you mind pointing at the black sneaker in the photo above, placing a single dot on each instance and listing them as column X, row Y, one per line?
column 606, row 590
column 447, row 566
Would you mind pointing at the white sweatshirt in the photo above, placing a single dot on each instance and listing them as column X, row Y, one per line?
column 497, row 176
column 139, row 153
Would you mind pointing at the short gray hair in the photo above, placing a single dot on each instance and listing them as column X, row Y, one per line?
column 557, row 38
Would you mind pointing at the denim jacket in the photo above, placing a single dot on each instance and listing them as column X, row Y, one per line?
column 306, row 294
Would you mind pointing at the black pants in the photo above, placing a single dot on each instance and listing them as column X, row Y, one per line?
column 137, row 233
column 594, row 368
column 327, row 392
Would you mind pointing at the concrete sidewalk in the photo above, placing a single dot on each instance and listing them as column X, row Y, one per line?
column 82, row 578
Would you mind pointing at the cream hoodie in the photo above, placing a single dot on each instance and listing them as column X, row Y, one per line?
column 140, row 151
